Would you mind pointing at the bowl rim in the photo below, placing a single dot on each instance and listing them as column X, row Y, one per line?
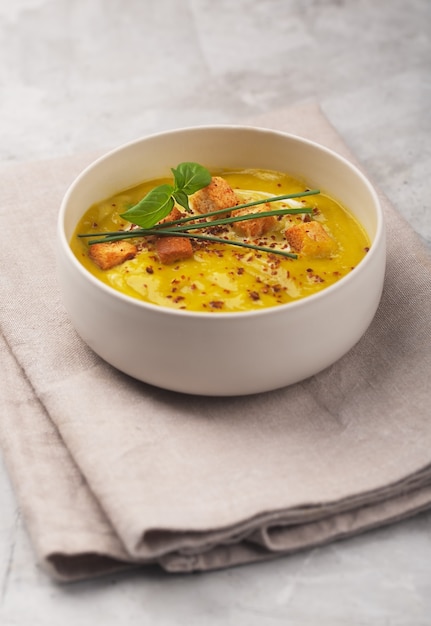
column 378, row 240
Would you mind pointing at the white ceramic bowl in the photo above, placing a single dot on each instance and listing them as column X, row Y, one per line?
column 226, row 353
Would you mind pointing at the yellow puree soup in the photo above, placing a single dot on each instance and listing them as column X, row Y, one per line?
column 221, row 277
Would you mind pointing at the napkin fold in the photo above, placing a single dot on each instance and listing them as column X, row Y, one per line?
column 111, row 473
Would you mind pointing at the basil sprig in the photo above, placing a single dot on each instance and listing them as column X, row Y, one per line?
column 158, row 203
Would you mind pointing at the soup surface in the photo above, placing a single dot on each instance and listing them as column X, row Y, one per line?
column 220, row 277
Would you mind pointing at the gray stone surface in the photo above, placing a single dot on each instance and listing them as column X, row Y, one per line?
column 79, row 75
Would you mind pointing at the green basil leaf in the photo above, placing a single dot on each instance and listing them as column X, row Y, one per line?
column 182, row 198
column 190, row 177
column 156, row 205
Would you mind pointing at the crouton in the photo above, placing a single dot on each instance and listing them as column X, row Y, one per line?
column 172, row 249
column 175, row 214
column 214, row 197
column 110, row 254
column 310, row 239
column 254, row 227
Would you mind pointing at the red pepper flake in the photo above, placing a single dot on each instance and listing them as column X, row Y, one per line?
column 240, row 271
column 316, row 278
column 216, row 304
column 178, row 299
column 149, row 270
column 254, row 295
column 218, row 230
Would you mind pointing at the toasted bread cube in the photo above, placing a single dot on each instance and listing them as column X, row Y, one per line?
column 110, row 254
column 310, row 239
column 215, row 196
column 175, row 214
column 173, row 249
column 254, row 227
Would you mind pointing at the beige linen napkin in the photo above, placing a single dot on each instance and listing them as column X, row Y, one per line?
column 112, row 473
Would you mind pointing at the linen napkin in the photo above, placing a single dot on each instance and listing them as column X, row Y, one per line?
column 111, row 473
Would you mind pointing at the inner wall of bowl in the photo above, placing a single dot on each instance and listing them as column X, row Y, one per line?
column 222, row 147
